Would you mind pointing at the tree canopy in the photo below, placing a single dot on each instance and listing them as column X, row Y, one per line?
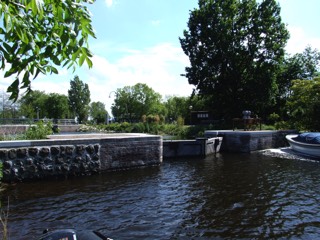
column 37, row 36
column 132, row 102
column 79, row 99
column 305, row 65
column 304, row 104
column 42, row 105
column 235, row 48
column 98, row 112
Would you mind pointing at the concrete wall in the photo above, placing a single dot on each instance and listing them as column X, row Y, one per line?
column 74, row 155
column 18, row 129
column 248, row 141
column 191, row 148
column 13, row 129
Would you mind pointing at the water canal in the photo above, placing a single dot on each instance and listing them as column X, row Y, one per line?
column 227, row 196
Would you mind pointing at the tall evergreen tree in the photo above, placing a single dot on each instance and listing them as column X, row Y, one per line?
column 234, row 48
column 79, row 99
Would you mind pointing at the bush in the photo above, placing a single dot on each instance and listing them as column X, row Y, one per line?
column 273, row 117
column 39, row 131
column 282, row 125
column 138, row 128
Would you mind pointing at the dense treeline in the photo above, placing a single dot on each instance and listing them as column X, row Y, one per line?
column 237, row 59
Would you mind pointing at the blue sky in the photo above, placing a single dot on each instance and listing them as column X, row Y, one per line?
column 138, row 42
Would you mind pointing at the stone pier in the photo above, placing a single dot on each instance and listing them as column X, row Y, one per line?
column 249, row 141
column 80, row 154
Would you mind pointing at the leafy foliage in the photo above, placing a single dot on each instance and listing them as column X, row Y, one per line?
column 34, row 103
column 37, row 36
column 305, row 65
column 79, row 99
column 98, row 112
column 39, row 131
column 235, row 48
column 51, row 105
column 177, row 107
column 304, row 104
column 57, row 106
column 132, row 102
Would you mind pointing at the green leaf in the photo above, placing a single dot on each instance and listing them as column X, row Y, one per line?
column 82, row 58
column 7, row 47
column 14, row 90
column 26, row 82
column 10, row 72
column 36, row 7
column 89, row 62
column 54, row 70
column 8, row 22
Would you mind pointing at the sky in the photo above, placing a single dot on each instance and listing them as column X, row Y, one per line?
column 138, row 42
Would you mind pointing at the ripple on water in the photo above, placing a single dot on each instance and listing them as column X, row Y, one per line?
column 224, row 196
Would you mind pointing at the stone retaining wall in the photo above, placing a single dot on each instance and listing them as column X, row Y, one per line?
column 199, row 147
column 248, row 141
column 65, row 156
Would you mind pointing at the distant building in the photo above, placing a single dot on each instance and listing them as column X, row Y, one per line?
column 201, row 117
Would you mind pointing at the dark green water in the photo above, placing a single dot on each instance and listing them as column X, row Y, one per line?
column 228, row 196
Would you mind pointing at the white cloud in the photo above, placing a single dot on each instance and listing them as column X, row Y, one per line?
column 109, row 3
column 155, row 22
column 299, row 40
column 159, row 67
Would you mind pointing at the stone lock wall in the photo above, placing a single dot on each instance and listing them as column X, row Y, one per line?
column 76, row 155
column 249, row 141
column 49, row 161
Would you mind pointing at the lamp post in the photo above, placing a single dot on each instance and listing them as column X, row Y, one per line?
column 190, row 108
column 37, row 113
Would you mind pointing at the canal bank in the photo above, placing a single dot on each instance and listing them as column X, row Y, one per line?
column 199, row 147
column 85, row 154
column 249, row 141
column 77, row 155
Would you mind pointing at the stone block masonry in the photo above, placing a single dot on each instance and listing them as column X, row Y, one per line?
column 249, row 141
column 76, row 155
column 49, row 161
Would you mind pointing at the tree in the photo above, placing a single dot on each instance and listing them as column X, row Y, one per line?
column 57, row 106
column 305, row 65
column 98, row 112
column 33, row 104
column 36, row 36
column 132, row 102
column 79, row 99
column 39, row 104
column 304, row 104
column 235, row 48
column 176, row 107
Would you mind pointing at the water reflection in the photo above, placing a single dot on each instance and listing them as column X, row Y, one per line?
column 225, row 196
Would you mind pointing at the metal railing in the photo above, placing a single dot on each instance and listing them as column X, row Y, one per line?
column 27, row 121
